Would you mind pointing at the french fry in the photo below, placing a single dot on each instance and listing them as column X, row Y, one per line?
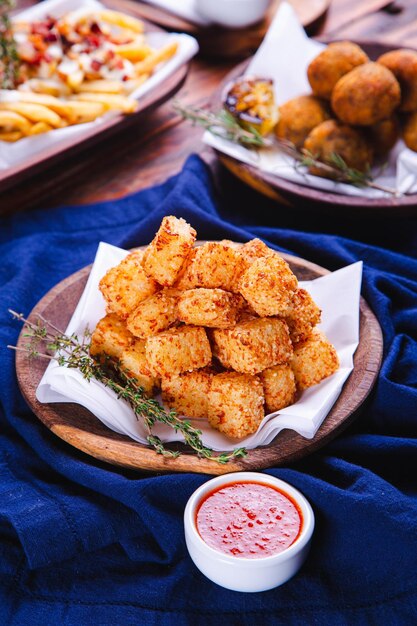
column 63, row 108
column 11, row 121
column 101, row 86
column 122, row 20
column 133, row 51
column 39, row 128
column 110, row 101
column 12, row 136
column 33, row 112
column 155, row 58
column 49, row 87
column 82, row 112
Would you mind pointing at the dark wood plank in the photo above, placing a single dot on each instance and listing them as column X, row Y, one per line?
column 81, row 429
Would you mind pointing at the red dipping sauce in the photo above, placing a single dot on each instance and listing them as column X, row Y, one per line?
column 250, row 520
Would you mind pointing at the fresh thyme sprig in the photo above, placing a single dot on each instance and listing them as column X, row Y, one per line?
column 9, row 60
column 73, row 352
column 224, row 125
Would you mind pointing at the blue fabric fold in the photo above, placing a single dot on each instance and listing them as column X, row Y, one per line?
column 84, row 542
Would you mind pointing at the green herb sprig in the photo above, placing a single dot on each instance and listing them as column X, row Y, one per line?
column 9, row 60
column 46, row 341
column 224, row 125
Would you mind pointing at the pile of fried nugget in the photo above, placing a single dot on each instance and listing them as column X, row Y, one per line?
column 223, row 329
column 358, row 108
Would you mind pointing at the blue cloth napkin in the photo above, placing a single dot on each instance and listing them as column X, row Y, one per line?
column 83, row 542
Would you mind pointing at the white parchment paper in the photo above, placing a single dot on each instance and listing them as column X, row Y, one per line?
column 284, row 56
column 14, row 153
column 337, row 294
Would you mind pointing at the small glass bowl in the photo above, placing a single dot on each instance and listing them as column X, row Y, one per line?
column 243, row 574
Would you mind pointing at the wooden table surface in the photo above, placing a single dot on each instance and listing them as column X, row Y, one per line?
column 148, row 153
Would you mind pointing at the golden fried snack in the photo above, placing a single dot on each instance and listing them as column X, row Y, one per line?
column 333, row 137
column 255, row 249
column 214, row 308
column 253, row 345
column 188, row 393
column 134, row 364
column 299, row 116
column 304, row 314
column 268, row 285
column 410, row 131
column 329, row 66
column 110, row 101
column 11, row 122
column 178, row 350
column 40, row 127
column 314, row 360
column 279, row 387
column 366, row 95
column 403, row 64
column 235, row 404
column 126, row 285
column 168, row 250
column 383, row 136
column 33, row 112
column 214, row 265
column 110, row 337
column 156, row 313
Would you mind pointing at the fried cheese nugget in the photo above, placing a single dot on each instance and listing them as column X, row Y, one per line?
column 403, row 64
column 299, row 116
column 188, row 393
column 331, row 64
column 255, row 249
column 279, row 387
column 269, row 285
column 304, row 314
column 235, row 404
column 366, row 95
column 253, row 345
column 168, row 250
column 125, row 285
column 110, row 337
column 133, row 361
column 314, row 360
column 214, row 308
column 156, row 313
column 215, row 265
column 177, row 350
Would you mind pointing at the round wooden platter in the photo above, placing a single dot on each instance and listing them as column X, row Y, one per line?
column 216, row 41
column 308, row 198
column 80, row 428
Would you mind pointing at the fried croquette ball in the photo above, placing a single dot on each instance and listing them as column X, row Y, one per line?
column 299, row 116
column 366, row 95
column 403, row 64
column 383, row 136
column 332, row 137
column 329, row 66
column 410, row 131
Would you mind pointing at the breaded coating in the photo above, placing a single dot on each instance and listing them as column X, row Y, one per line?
column 314, row 360
column 184, row 279
column 279, row 387
column 154, row 314
column 252, row 346
column 215, row 265
column 299, row 116
column 110, row 337
column 303, row 316
column 383, row 136
column 410, row 131
column 235, row 404
column 125, row 285
column 331, row 64
column 366, row 95
column 188, row 392
column 255, row 249
column 177, row 350
column 268, row 285
column 133, row 361
column 214, row 308
column 168, row 250
column 403, row 64
column 333, row 137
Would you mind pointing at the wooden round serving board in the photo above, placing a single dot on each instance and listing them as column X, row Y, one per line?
column 296, row 195
column 228, row 43
column 77, row 426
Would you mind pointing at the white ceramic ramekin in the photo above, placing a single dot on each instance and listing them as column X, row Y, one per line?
column 243, row 574
column 233, row 13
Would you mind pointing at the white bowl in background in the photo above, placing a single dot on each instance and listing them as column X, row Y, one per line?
column 247, row 574
column 232, row 13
